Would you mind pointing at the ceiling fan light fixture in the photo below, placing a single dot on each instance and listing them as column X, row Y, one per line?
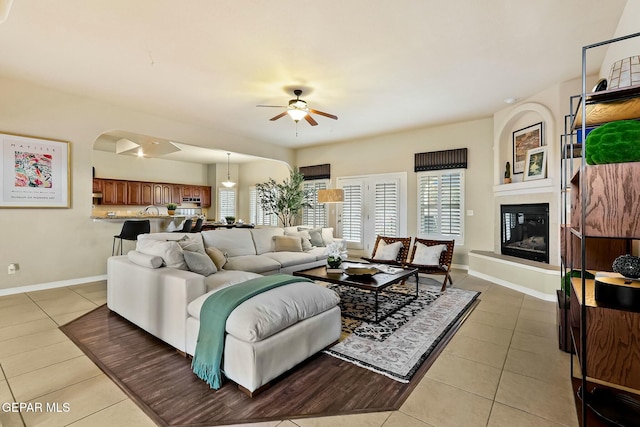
column 296, row 114
column 228, row 183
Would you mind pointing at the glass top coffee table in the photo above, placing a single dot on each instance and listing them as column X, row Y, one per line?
column 373, row 283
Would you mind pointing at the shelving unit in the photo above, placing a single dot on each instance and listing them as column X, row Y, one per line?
column 601, row 217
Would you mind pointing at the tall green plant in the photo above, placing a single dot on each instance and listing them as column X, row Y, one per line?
column 285, row 199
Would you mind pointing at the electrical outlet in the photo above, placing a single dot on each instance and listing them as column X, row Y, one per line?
column 13, row 267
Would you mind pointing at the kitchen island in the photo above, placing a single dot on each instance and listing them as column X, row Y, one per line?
column 158, row 223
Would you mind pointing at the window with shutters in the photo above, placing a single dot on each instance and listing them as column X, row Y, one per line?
column 441, row 204
column 257, row 214
column 373, row 205
column 316, row 215
column 352, row 212
column 226, row 202
column 386, row 211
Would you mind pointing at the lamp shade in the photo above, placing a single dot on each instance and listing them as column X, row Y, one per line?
column 296, row 114
column 334, row 195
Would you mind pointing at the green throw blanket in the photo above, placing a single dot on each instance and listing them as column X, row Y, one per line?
column 207, row 360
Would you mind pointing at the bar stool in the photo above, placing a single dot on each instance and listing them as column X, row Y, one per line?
column 186, row 227
column 130, row 231
column 198, row 227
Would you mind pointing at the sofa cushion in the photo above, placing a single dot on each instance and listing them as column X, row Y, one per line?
column 287, row 259
column 287, row 243
column 270, row 312
column 145, row 260
column 263, row 238
column 170, row 236
column 199, row 263
column 233, row 242
column 216, row 256
column 428, row 255
column 304, row 235
column 387, row 252
column 192, row 245
column 225, row 278
column 316, row 237
column 318, row 253
column 327, row 235
column 253, row 263
column 170, row 252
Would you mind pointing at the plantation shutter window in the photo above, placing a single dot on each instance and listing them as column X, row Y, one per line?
column 226, row 202
column 386, row 211
column 257, row 213
column 440, row 204
column 316, row 215
column 352, row 210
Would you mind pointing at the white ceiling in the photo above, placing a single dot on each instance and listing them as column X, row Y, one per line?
column 380, row 66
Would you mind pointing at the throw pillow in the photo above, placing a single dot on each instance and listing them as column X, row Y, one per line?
column 304, row 235
column 428, row 255
column 387, row 252
column 315, row 235
column 170, row 252
column 199, row 263
column 192, row 245
column 288, row 243
column 216, row 256
column 327, row 235
column 144, row 260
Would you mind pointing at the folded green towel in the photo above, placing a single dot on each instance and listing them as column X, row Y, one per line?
column 207, row 360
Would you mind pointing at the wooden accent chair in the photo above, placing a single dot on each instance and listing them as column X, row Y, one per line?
column 443, row 267
column 402, row 253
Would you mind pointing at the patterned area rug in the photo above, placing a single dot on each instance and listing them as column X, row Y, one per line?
column 397, row 346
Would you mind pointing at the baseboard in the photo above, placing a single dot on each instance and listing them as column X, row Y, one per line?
column 51, row 285
column 507, row 284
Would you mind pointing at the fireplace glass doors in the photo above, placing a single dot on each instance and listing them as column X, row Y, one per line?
column 525, row 231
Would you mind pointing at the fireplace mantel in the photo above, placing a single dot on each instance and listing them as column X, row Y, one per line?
column 526, row 187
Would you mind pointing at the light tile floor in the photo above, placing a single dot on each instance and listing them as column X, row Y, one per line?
column 502, row 368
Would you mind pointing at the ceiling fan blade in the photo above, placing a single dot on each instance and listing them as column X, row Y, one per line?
column 331, row 116
column 276, row 106
column 310, row 120
column 284, row 113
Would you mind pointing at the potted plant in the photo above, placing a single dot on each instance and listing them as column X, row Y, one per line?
column 285, row 199
column 171, row 208
column 230, row 219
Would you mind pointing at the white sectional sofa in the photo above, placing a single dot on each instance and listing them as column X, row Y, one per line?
column 157, row 292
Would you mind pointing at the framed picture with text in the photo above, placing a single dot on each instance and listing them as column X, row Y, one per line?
column 536, row 164
column 35, row 172
column 524, row 140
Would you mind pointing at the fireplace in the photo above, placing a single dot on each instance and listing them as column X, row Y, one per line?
column 525, row 231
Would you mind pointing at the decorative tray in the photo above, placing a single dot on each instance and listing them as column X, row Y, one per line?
column 361, row 271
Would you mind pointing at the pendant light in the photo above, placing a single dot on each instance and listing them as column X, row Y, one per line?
column 228, row 183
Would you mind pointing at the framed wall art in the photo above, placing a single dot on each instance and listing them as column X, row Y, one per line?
column 536, row 164
column 35, row 172
column 524, row 140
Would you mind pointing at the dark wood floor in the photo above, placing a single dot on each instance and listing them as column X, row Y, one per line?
column 161, row 382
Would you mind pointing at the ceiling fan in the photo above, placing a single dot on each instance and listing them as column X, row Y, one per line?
column 298, row 110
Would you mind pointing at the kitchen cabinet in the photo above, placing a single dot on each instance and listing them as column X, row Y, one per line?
column 161, row 194
column 142, row 193
column 97, row 185
column 134, row 193
column 205, row 197
column 114, row 192
column 146, row 193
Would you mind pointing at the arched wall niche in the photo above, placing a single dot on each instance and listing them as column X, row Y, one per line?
column 522, row 116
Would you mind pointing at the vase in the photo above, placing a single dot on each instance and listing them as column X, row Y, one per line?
column 628, row 266
column 333, row 262
column 171, row 211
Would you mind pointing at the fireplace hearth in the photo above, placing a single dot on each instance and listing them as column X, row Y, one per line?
column 525, row 231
